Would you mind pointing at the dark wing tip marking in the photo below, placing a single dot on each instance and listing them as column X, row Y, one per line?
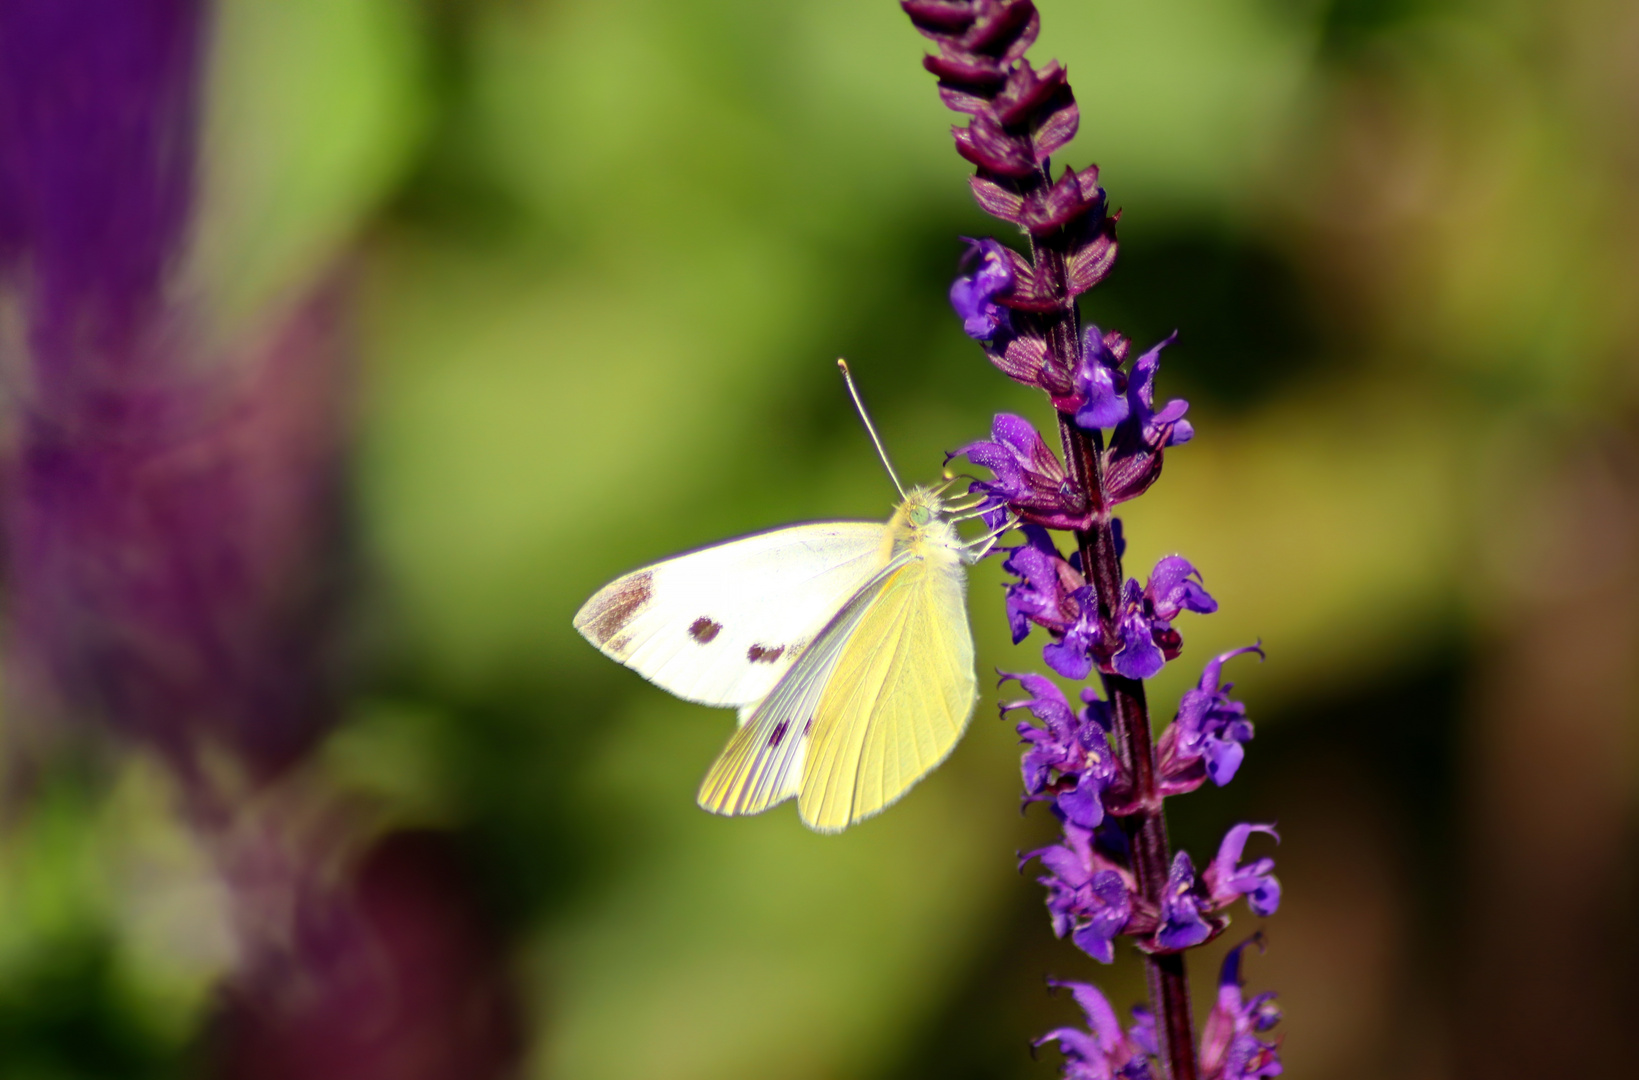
column 763, row 654
column 704, row 629
column 617, row 605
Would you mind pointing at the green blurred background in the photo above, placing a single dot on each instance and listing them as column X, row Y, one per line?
column 602, row 256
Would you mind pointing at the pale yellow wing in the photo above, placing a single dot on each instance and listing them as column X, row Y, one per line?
column 898, row 699
column 763, row 762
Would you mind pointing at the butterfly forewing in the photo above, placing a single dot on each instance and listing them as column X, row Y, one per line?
column 723, row 625
column 897, row 699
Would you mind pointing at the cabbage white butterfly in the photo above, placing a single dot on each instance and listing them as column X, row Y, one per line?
column 844, row 645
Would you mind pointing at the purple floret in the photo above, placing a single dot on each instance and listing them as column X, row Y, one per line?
column 1029, row 479
column 1225, row 880
column 1100, row 382
column 1230, row 1047
column 1103, row 1051
column 1182, row 926
column 1207, row 739
column 1133, row 461
column 1089, row 897
column 988, row 274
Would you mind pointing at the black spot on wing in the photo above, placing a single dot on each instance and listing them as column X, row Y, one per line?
column 779, row 733
column 763, row 654
column 614, row 611
column 807, row 725
column 703, row 629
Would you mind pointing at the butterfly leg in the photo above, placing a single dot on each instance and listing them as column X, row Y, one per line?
column 981, row 546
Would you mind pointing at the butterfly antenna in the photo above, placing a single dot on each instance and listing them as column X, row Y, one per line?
column 870, row 428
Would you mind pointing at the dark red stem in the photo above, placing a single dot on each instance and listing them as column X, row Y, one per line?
column 1146, row 828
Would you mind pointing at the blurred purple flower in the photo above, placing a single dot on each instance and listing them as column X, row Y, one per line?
column 168, row 514
column 1207, row 739
column 171, row 574
column 98, row 119
column 1103, row 1051
column 987, row 274
column 1029, row 479
column 1133, row 461
column 1100, row 381
column 171, row 513
column 1089, row 897
column 1230, row 1047
column 1225, row 880
column 388, row 972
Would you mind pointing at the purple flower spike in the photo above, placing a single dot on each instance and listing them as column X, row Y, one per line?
column 1133, row 461
column 974, row 294
column 1100, row 381
column 1029, row 479
column 169, row 507
column 1103, row 1051
column 1182, row 926
column 1230, row 1047
column 98, row 127
column 1089, row 897
column 1112, row 872
column 1207, row 740
column 1225, row 880
column 1044, row 591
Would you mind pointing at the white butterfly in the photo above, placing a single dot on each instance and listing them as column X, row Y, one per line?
column 844, row 644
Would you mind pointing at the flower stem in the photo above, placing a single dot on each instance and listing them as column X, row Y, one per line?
column 1146, row 829
column 1147, row 832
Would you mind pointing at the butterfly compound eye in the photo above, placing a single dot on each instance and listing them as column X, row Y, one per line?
column 919, row 515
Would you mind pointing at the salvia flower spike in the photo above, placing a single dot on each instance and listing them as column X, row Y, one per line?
column 170, row 511
column 1112, row 873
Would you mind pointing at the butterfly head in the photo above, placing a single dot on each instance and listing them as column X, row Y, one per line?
column 922, row 507
column 921, row 524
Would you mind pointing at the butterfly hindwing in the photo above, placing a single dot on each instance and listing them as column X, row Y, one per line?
column 763, row 762
column 898, row 698
column 723, row 625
